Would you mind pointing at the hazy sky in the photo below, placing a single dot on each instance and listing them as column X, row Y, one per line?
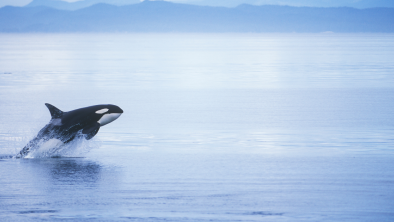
column 236, row 2
column 22, row 2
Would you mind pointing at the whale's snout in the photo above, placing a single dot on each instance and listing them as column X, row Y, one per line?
column 115, row 109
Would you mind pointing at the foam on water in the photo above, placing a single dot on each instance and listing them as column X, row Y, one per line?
column 13, row 144
column 55, row 148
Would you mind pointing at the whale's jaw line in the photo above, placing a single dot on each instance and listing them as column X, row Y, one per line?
column 107, row 118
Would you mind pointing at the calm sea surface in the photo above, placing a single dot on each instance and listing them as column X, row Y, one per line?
column 216, row 127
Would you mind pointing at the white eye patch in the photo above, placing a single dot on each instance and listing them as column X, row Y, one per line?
column 101, row 111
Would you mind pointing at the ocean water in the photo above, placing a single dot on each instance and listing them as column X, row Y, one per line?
column 216, row 127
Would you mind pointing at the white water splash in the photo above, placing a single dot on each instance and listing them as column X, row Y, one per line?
column 55, row 148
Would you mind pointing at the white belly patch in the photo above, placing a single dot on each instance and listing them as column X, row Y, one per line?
column 107, row 118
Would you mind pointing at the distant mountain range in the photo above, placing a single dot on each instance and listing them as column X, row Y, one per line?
column 160, row 16
column 308, row 3
column 58, row 4
column 62, row 5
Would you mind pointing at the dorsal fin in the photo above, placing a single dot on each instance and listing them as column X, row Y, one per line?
column 55, row 112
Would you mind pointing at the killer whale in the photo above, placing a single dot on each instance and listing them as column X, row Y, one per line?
column 64, row 127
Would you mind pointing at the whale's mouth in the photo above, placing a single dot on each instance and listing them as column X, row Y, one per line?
column 107, row 118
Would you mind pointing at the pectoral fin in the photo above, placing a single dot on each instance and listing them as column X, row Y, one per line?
column 91, row 130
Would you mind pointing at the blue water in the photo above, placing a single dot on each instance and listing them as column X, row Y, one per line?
column 216, row 127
